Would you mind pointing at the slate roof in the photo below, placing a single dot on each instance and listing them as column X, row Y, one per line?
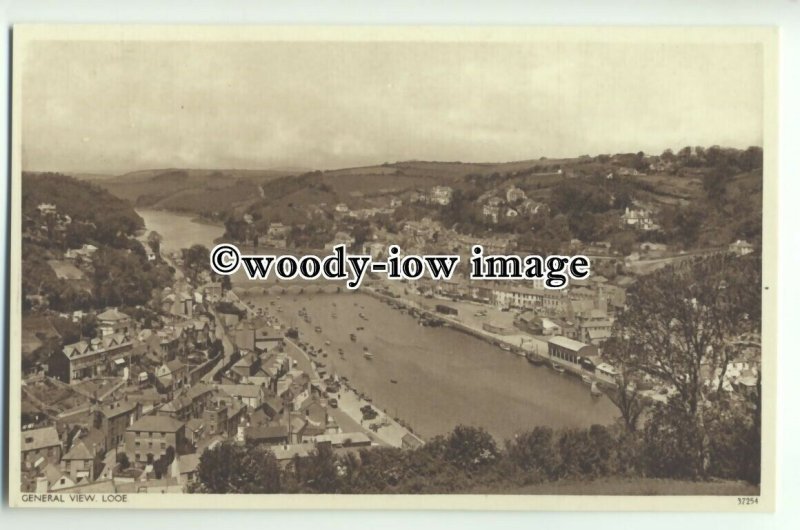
column 39, row 438
column 79, row 451
column 156, row 424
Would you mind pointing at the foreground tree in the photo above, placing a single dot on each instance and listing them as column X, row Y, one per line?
column 680, row 326
column 625, row 396
column 470, row 448
column 229, row 468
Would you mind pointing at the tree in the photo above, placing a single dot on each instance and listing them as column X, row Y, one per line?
column 154, row 241
column 123, row 461
column 534, row 451
column 679, row 325
column 673, row 443
column 715, row 182
column 625, row 396
column 229, row 468
column 470, row 448
column 318, row 472
column 195, row 260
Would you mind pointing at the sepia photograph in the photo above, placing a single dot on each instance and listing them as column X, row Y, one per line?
column 606, row 198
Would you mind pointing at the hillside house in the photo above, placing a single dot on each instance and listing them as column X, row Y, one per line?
column 84, row 360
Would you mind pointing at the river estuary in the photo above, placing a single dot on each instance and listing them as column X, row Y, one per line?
column 432, row 378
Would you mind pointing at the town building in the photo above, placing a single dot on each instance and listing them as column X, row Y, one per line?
column 83, row 360
column 571, row 352
column 150, row 436
column 639, row 218
column 172, row 375
column 115, row 420
column 113, row 321
column 514, row 194
column 223, row 415
column 41, row 443
column 741, row 248
column 82, row 463
column 492, row 207
column 189, row 403
column 441, row 195
column 250, row 395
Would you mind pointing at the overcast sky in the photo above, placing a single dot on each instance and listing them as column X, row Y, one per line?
column 113, row 107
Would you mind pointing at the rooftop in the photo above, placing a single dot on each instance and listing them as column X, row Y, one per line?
column 112, row 315
column 39, row 438
column 156, row 424
column 570, row 344
column 79, row 451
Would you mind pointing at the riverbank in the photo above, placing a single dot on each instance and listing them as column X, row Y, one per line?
column 382, row 429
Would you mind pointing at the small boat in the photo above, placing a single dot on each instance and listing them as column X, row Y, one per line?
column 327, row 343
column 393, row 381
column 368, row 356
column 557, row 367
column 353, row 337
column 318, row 329
column 504, row 346
column 586, row 378
column 595, row 390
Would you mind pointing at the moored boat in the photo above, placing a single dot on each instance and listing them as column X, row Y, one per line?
column 534, row 359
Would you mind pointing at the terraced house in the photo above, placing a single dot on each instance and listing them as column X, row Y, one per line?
column 89, row 359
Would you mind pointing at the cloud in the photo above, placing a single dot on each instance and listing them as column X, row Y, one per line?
column 113, row 107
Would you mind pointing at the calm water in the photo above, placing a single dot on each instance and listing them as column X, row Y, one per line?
column 180, row 231
column 444, row 377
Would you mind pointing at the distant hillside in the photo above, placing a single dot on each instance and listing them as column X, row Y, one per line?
column 201, row 191
column 82, row 201
column 215, row 192
column 694, row 176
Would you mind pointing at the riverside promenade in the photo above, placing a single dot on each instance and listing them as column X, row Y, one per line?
column 383, row 429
